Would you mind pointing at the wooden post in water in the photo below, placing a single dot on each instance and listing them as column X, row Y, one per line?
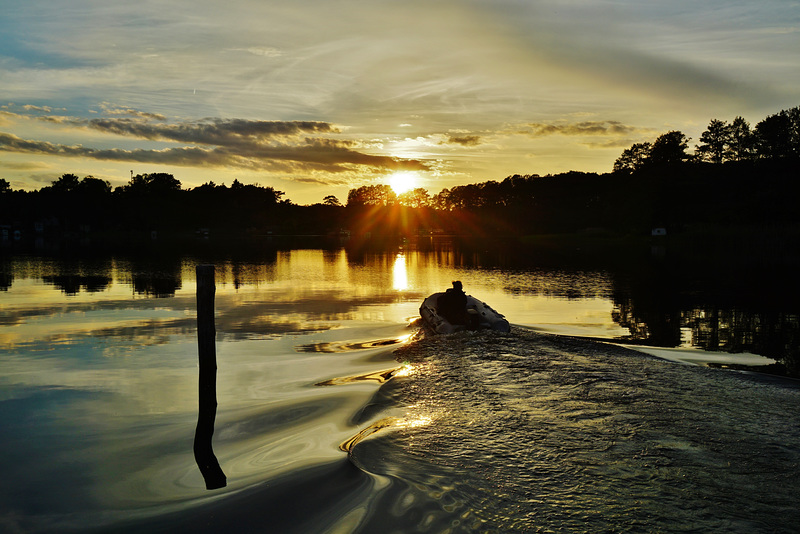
column 207, row 354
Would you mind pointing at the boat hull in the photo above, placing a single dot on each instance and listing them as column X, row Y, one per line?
column 486, row 317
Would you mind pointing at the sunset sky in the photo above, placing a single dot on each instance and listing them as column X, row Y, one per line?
column 317, row 97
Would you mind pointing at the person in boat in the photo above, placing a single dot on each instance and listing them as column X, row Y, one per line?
column 453, row 304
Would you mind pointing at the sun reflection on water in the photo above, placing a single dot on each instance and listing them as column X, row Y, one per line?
column 387, row 423
column 415, row 422
column 406, row 370
column 400, row 273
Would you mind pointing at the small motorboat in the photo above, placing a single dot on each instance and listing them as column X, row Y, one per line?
column 480, row 314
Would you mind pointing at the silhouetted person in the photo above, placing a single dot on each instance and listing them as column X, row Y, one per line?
column 453, row 304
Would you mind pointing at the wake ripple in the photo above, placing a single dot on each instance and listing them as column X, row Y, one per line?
column 529, row 432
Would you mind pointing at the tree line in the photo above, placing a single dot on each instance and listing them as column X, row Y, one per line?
column 147, row 202
column 736, row 174
column 775, row 137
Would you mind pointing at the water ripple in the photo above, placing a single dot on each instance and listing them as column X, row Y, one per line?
column 538, row 433
column 333, row 347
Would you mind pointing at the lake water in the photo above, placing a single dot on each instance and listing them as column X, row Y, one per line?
column 333, row 416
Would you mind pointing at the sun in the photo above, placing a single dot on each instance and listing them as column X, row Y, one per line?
column 403, row 181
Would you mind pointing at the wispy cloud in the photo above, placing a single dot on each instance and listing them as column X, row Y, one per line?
column 116, row 110
column 238, row 143
column 226, row 132
column 586, row 128
column 616, row 143
column 30, row 107
column 22, row 166
column 263, row 51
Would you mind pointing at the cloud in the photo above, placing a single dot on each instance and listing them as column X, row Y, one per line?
column 622, row 142
column 226, row 132
column 240, row 144
column 285, row 146
column 466, row 140
column 594, row 128
column 265, row 51
column 30, row 107
column 13, row 143
column 114, row 110
column 23, row 166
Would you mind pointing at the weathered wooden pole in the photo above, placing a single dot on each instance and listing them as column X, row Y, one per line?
column 207, row 389
column 206, row 329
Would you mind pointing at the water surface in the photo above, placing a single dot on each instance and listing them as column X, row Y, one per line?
column 324, row 425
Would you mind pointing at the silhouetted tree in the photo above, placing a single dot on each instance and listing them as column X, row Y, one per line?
column 466, row 197
column 669, row 149
column 773, row 136
column 715, row 142
column 208, row 186
column 633, row 158
column 778, row 136
column 416, row 198
column 331, row 200
column 741, row 141
column 70, row 183
column 155, row 183
column 441, row 200
column 94, row 186
column 794, row 130
column 66, row 183
column 371, row 195
column 5, row 187
column 492, row 193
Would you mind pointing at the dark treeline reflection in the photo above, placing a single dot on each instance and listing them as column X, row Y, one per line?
column 713, row 327
column 734, row 299
column 156, row 277
column 6, row 279
column 736, row 294
column 91, row 275
column 150, row 269
column 72, row 284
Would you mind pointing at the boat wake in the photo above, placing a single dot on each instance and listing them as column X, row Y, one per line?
column 525, row 432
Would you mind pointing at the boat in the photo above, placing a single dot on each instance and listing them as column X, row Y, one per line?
column 482, row 317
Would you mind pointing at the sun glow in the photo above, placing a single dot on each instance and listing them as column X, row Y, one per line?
column 403, row 181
